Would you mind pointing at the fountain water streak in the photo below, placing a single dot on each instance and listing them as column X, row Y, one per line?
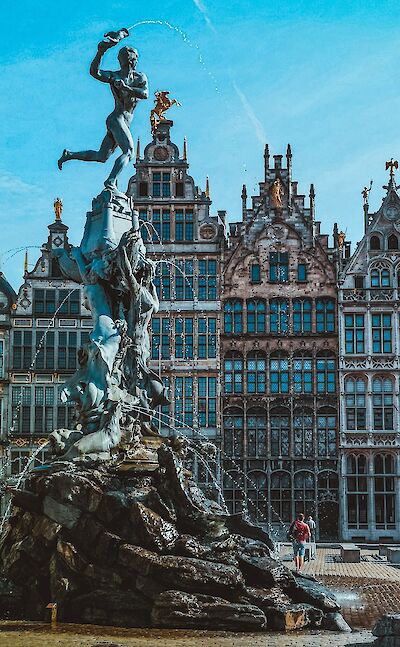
column 21, row 477
column 186, row 39
column 223, row 455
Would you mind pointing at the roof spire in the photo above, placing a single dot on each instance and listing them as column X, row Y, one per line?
column 26, row 262
column 58, row 207
column 266, row 161
column 138, row 150
column 207, row 187
column 312, row 201
column 184, row 149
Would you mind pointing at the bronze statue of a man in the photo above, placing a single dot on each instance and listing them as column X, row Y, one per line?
column 127, row 86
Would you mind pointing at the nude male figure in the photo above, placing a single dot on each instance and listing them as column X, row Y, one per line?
column 127, row 86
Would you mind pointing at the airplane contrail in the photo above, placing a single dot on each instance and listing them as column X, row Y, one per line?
column 203, row 10
column 248, row 108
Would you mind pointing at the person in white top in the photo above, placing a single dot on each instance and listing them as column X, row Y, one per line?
column 312, row 526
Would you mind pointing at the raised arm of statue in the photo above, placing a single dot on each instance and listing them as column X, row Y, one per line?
column 101, row 75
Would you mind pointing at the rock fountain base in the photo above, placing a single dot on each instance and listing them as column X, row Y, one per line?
column 112, row 544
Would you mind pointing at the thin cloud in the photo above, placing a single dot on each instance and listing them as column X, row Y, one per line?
column 258, row 127
column 15, row 184
column 203, row 10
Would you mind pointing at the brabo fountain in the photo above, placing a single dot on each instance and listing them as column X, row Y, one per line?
column 113, row 530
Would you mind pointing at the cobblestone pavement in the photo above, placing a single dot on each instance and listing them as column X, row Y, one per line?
column 29, row 635
column 328, row 563
column 366, row 590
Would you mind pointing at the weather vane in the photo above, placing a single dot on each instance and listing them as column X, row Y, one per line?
column 392, row 164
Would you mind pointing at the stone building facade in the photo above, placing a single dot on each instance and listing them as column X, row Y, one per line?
column 7, row 304
column 279, row 357
column 186, row 243
column 369, row 384
column 48, row 324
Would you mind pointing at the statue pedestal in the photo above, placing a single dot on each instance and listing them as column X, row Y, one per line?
column 111, row 216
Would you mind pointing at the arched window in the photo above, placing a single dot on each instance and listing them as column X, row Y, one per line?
column 302, row 315
column 375, row 243
column 382, row 403
column 279, row 374
column 281, row 496
column 326, row 373
column 303, row 434
column 234, row 491
column 302, row 375
column 233, row 319
column 380, row 276
column 256, row 373
column 256, row 433
column 233, row 373
column 328, row 486
column 256, row 316
column 384, row 486
column 356, row 412
column 325, row 315
column 393, row 242
column 279, row 316
column 326, row 433
column 280, row 428
column 357, row 491
column 233, row 433
column 257, row 491
column 304, row 493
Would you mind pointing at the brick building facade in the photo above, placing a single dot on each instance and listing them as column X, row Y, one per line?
column 279, row 357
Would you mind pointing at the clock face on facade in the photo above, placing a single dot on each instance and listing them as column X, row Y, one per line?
column 161, row 153
column 392, row 213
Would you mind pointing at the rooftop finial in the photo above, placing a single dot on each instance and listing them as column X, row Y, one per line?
column 289, row 151
column 138, row 150
column 58, row 207
column 207, row 187
column 26, row 262
column 185, row 149
column 392, row 164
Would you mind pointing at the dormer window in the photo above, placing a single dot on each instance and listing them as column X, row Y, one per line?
column 179, row 192
column 278, row 267
column 375, row 243
column 161, row 184
column 143, row 189
column 393, row 242
column 255, row 273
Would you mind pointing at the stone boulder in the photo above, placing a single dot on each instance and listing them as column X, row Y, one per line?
column 107, row 606
column 185, row 573
column 388, row 625
column 176, row 609
column 307, row 589
column 265, row 571
column 148, row 549
column 291, row 617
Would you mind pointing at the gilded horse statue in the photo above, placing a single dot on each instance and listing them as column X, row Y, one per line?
column 162, row 104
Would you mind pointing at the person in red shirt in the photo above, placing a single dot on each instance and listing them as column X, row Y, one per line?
column 300, row 534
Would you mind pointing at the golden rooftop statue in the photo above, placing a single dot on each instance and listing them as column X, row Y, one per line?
column 162, row 103
column 58, row 207
column 341, row 238
column 277, row 192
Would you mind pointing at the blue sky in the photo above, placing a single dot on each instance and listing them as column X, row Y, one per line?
column 320, row 75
